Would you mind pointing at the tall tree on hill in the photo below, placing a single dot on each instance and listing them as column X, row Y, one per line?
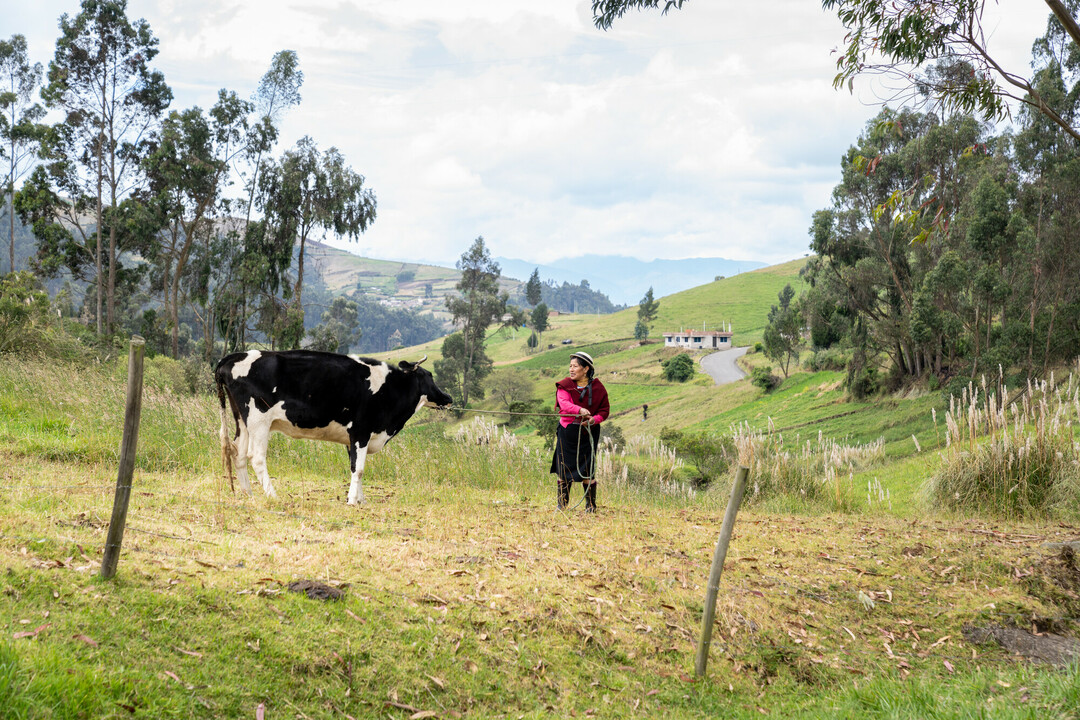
column 646, row 314
column 20, row 128
column 534, row 288
column 101, row 79
column 479, row 304
column 310, row 191
column 783, row 331
column 539, row 318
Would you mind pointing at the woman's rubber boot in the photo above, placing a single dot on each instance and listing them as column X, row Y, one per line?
column 563, row 490
column 590, row 498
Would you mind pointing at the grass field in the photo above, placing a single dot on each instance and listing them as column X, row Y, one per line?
column 466, row 594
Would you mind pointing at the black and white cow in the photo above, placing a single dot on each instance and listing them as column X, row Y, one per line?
column 358, row 402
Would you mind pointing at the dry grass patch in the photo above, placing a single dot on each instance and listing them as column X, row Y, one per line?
column 477, row 597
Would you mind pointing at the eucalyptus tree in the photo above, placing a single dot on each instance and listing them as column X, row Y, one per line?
column 278, row 90
column 534, row 288
column 890, row 38
column 782, row 337
column 479, row 303
column 100, row 78
column 188, row 174
column 20, row 122
column 310, row 192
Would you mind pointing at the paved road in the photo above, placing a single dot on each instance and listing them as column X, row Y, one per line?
column 722, row 366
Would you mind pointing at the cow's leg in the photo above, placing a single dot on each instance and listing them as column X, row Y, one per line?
column 241, row 458
column 357, row 456
column 258, row 443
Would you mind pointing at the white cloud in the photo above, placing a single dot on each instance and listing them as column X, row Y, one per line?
column 713, row 130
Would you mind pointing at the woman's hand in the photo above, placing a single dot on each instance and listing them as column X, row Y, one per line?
column 585, row 414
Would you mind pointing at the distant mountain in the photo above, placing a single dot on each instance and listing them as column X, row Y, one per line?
column 625, row 279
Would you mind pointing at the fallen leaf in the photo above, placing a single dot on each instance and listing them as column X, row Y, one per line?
column 651, row 693
column 192, row 653
column 437, row 681
column 171, row 674
column 260, row 712
column 354, row 616
column 89, row 641
column 34, row 632
column 949, row 666
column 423, row 714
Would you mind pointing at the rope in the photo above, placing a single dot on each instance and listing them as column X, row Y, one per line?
column 577, row 452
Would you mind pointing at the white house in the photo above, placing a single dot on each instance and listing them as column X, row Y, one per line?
column 699, row 339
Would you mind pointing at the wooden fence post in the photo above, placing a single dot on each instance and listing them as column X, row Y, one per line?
column 713, row 587
column 132, row 411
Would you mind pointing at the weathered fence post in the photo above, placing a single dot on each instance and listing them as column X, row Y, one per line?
column 132, row 411
column 718, row 567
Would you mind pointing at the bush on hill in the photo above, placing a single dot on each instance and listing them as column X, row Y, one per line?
column 1015, row 463
column 679, row 368
column 763, row 378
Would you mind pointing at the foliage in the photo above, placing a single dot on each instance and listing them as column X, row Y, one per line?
column 762, row 377
column 24, row 308
column 20, row 126
column 465, row 364
column 1013, row 458
column 710, row 454
column 510, row 386
column 646, row 314
column 832, row 359
column 533, row 288
column 679, row 368
column 912, row 32
column 571, row 298
column 533, row 341
column 783, row 333
column 340, row 327
column 308, row 191
column 93, row 152
column 606, row 12
column 539, row 321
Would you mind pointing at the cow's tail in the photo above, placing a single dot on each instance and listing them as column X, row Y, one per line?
column 228, row 447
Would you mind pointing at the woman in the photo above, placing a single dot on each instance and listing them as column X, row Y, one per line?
column 582, row 404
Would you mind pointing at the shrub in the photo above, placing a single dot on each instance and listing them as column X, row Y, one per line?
column 831, row 359
column 679, row 368
column 759, row 347
column 763, row 378
column 1012, row 460
column 710, row 454
column 815, row 472
column 24, row 312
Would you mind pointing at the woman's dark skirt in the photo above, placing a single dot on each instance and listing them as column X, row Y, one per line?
column 573, row 460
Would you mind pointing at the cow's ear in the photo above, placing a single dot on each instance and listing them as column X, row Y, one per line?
column 410, row 367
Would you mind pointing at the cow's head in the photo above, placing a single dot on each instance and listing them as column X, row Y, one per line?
column 436, row 398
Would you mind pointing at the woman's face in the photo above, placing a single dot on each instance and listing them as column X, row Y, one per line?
column 578, row 371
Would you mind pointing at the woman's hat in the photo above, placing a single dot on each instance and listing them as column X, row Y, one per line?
column 585, row 358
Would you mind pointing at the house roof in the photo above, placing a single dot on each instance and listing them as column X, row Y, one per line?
column 701, row 333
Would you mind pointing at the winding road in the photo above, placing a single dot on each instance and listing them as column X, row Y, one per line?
column 722, row 366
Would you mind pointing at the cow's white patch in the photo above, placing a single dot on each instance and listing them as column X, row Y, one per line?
column 378, row 376
column 259, row 425
column 274, row 391
column 377, row 441
column 356, row 487
column 422, row 403
column 333, row 432
column 349, row 426
column 242, row 368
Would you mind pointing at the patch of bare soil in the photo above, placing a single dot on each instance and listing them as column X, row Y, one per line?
column 1055, row 579
column 316, row 590
column 1043, row 647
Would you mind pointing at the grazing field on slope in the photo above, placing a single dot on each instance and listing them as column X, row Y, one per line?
column 465, row 594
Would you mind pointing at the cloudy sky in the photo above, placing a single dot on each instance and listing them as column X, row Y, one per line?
column 713, row 131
